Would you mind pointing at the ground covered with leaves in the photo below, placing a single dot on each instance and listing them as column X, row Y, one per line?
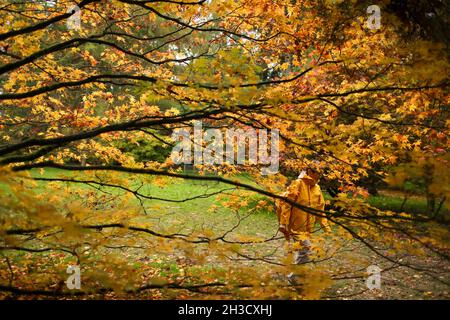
column 251, row 243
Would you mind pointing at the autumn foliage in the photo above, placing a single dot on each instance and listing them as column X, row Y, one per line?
column 80, row 105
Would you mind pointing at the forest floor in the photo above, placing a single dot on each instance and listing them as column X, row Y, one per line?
column 205, row 213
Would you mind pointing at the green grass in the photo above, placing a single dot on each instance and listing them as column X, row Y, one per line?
column 415, row 205
column 197, row 209
column 395, row 204
column 194, row 216
column 190, row 216
column 207, row 214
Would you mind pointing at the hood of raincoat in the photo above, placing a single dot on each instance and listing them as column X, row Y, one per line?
column 304, row 176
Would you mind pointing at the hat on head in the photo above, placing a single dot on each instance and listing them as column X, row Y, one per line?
column 315, row 166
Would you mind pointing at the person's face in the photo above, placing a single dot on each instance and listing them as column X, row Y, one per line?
column 313, row 174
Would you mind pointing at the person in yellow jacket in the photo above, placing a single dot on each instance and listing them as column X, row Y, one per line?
column 296, row 223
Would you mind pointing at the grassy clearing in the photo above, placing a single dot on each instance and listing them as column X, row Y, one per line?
column 198, row 212
column 206, row 214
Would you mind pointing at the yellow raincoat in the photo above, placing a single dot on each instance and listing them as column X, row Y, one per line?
column 297, row 221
